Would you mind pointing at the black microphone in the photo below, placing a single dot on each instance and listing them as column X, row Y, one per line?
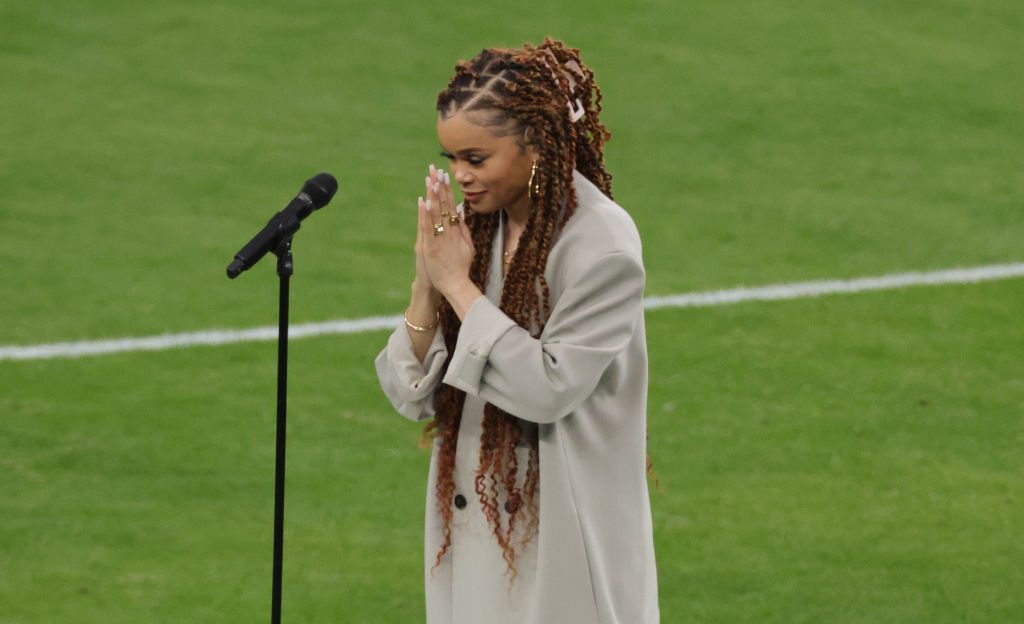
column 315, row 194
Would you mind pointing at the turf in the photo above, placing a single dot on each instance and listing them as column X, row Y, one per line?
column 846, row 459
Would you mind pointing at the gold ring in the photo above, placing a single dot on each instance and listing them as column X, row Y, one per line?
column 453, row 219
column 438, row 229
column 444, row 214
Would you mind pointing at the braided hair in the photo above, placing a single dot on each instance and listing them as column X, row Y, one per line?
column 530, row 93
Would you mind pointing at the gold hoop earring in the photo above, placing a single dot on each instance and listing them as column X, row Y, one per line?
column 534, row 184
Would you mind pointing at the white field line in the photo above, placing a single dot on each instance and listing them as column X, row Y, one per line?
column 771, row 292
column 799, row 290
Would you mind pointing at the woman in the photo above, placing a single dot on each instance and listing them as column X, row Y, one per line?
column 524, row 347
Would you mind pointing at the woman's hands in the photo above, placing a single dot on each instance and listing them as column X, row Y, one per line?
column 421, row 283
column 444, row 245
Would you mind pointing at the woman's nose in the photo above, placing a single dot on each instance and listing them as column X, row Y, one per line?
column 461, row 176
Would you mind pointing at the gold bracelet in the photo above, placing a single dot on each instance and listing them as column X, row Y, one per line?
column 417, row 328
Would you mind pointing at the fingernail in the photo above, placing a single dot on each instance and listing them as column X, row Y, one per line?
column 437, row 187
column 462, row 210
column 420, row 203
column 447, row 179
column 427, row 180
column 432, row 168
column 428, row 205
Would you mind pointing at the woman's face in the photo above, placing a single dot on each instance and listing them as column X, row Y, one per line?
column 492, row 171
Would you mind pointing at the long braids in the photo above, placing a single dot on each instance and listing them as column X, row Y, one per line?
column 526, row 92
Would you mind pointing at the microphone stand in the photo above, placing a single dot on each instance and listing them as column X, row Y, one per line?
column 285, row 267
column 276, row 237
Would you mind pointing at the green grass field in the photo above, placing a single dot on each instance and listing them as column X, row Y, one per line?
column 853, row 459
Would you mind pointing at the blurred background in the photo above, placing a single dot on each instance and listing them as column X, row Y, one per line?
column 851, row 458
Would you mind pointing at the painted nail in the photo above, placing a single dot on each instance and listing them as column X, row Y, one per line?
column 447, row 179
column 437, row 187
column 419, row 203
column 428, row 205
column 427, row 179
column 432, row 168
column 462, row 210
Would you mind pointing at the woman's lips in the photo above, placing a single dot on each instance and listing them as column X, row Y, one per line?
column 473, row 196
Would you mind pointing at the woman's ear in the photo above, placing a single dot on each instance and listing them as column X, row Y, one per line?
column 528, row 145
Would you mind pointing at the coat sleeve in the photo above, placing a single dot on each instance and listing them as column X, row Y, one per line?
column 544, row 379
column 409, row 384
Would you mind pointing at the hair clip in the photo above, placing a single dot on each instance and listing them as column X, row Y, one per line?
column 568, row 69
column 575, row 114
column 575, row 67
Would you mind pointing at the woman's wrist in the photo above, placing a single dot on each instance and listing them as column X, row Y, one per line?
column 423, row 303
column 461, row 296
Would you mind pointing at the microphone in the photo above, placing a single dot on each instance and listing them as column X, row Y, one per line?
column 315, row 194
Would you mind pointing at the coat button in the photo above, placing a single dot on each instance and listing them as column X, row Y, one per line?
column 460, row 501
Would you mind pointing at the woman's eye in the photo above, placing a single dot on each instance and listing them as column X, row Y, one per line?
column 474, row 161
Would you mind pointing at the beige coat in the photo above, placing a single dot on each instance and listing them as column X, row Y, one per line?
column 584, row 382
